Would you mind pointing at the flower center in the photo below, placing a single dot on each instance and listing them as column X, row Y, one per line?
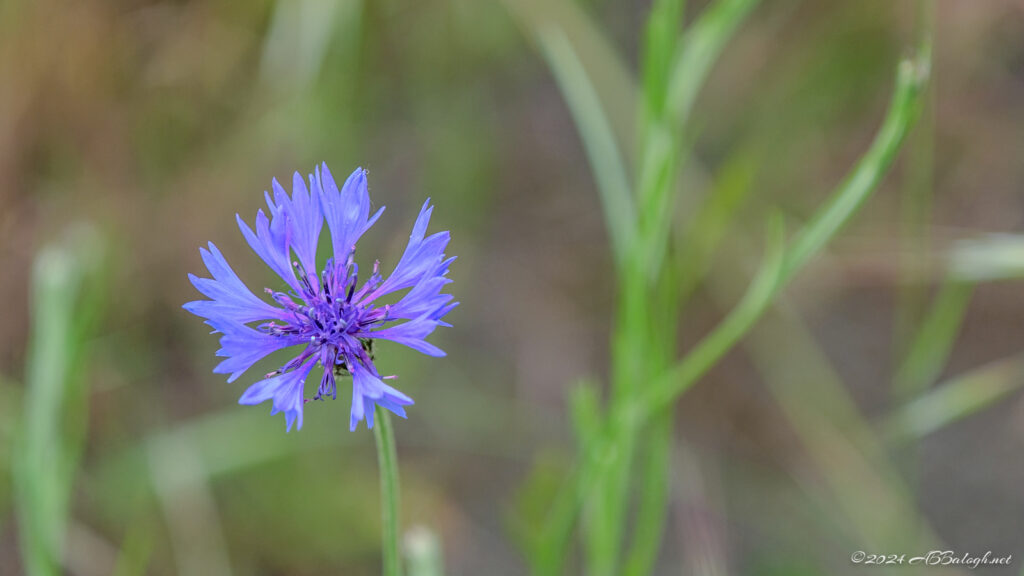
column 330, row 317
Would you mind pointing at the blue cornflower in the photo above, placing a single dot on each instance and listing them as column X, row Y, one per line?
column 332, row 317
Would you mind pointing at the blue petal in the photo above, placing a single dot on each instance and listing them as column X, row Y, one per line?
column 411, row 334
column 304, row 220
column 421, row 256
column 369, row 390
column 243, row 346
column 230, row 299
column 426, row 298
column 346, row 211
column 271, row 246
column 286, row 391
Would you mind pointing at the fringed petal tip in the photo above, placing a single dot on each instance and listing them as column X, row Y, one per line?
column 366, row 408
column 286, row 392
column 368, row 392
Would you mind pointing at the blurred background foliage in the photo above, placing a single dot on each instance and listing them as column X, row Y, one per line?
column 156, row 122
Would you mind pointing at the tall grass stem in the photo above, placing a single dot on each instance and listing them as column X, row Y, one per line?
column 387, row 461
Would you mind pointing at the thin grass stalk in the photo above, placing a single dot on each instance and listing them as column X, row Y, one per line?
column 826, row 223
column 775, row 272
column 387, row 462
column 643, row 345
column 915, row 211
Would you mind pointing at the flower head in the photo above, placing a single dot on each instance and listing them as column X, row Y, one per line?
column 330, row 318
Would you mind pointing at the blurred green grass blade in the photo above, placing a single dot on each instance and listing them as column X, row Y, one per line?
column 955, row 400
column 423, row 551
column 654, row 495
column 10, row 406
column 50, row 434
column 638, row 357
column 659, row 168
column 298, row 39
column 612, row 79
column 657, row 441
column 759, row 295
column 390, row 493
column 608, row 466
column 226, row 442
column 704, row 41
column 606, row 508
column 777, row 268
column 596, row 132
column 586, row 412
column 660, row 41
column 825, row 224
column 635, row 360
column 691, row 58
column 868, row 502
column 916, row 207
column 135, row 551
column 182, row 487
column 934, row 340
column 550, row 499
column 775, row 272
column 732, row 186
column 232, row 441
column 987, row 258
column 858, row 186
column 604, row 455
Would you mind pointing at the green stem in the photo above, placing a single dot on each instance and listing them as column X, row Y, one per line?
column 779, row 267
column 387, row 461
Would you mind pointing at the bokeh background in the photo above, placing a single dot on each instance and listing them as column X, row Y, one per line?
column 141, row 128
